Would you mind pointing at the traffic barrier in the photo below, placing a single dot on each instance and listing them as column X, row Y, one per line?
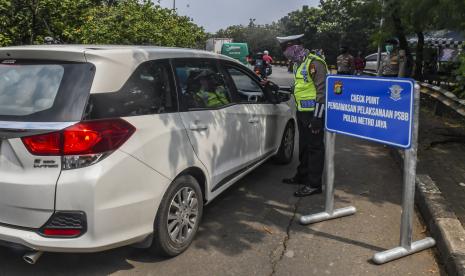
column 407, row 245
column 447, row 98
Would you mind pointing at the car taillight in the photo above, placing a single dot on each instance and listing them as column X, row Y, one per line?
column 82, row 144
column 96, row 136
column 44, row 144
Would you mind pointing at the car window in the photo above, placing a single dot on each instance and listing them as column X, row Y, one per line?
column 248, row 90
column 19, row 97
column 372, row 57
column 44, row 91
column 149, row 90
column 201, row 84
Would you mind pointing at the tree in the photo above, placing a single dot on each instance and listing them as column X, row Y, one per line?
column 335, row 23
column 135, row 22
column 95, row 21
column 258, row 37
column 418, row 16
column 29, row 21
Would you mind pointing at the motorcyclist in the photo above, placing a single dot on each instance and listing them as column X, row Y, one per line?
column 266, row 57
column 260, row 65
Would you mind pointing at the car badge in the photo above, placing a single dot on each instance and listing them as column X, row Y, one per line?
column 9, row 61
column 395, row 92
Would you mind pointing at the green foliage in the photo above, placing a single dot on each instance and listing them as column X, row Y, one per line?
column 29, row 21
column 333, row 23
column 95, row 21
column 336, row 23
column 133, row 22
column 460, row 77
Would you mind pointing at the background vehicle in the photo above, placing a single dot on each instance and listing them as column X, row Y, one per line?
column 215, row 45
column 238, row 51
column 105, row 146
column 260, row 67
column 372, row 62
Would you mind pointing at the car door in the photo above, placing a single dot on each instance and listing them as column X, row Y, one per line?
column 211, row 118
column 252, row 97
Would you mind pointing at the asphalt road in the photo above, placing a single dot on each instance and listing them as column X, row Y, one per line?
column 252, row 228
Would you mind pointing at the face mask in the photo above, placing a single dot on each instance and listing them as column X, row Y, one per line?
column 295, row 53
column 389, row 48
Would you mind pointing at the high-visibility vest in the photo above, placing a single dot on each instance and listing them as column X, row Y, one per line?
column 212, row 99
column 305, row 90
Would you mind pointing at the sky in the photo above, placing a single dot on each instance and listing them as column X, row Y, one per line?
column 219, row 14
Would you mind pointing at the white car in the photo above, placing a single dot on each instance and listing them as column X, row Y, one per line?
column 102, row 147
column 372, row 62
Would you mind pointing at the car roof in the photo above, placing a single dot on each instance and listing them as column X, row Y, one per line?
column 114, row 63
column 109, row 50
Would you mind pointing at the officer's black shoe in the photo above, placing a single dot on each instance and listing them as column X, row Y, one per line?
column 292, row 180
column 308, row 191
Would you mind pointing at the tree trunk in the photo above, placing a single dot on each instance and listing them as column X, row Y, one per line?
column 33, row 8
column 400, row 33
column 419, row 56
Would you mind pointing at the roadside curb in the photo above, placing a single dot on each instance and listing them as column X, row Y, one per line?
column 441, row 221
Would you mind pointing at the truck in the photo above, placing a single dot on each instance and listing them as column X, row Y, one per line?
column 216, row 44
column 238, row 51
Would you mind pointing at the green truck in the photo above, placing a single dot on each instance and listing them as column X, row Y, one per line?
column 239, row 51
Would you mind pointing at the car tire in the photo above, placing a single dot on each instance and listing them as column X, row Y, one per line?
column 181, row 203
column 286, row 148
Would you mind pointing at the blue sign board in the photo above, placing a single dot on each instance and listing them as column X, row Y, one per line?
column 372, row 108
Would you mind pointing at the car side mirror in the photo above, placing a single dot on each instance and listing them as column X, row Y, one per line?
column 276, row 94
column 282, row 96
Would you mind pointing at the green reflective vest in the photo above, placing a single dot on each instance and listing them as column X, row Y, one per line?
column 305, row 90
column 212, row 99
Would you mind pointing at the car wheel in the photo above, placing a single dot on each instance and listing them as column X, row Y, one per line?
column 286, row 149
column 178, row 217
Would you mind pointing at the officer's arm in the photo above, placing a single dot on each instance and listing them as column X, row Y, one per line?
column 318, row 71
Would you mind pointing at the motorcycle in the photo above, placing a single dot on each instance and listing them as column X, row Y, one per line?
column 261, row 68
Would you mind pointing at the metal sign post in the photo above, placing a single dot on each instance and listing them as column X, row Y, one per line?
column 329, row 213
column 381, row 110
column 407, row 246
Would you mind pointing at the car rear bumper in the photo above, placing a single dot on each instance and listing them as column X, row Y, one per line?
column 120, row 197
column 30, row 240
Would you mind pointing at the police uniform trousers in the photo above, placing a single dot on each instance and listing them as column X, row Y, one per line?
column 311, row 152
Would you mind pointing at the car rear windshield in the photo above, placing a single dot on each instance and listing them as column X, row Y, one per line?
column 43, row 91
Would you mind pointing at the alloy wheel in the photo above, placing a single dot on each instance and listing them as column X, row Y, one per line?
column 289, row 141
column 183, row 215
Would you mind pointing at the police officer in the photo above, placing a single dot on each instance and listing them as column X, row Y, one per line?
column 345, row 62
column 309, row 92
column 390, row 62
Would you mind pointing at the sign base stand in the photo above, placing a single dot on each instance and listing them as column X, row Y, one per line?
column 338, row 213
column 330, row 213
column 399, row 252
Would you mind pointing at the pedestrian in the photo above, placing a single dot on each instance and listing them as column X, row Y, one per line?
column 359, row 63
column 345, row 62
column 390, row 62
column 309, row 92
